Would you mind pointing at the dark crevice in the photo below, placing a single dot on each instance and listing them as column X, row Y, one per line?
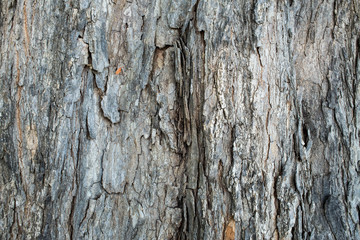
column 291, row 3
column 13, row 4
column 258, row 53
column 12, row 227
column 334, row 19
column 195, row 10
column 276, row 198
column 85, row 215
column 76, row 184
column 295, row 230
column 71, row 218
column 193, row 124
column 305, row 135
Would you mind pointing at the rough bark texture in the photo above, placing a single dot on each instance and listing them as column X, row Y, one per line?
column 230, row 119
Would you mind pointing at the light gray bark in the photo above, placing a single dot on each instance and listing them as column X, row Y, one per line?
column 229, row 120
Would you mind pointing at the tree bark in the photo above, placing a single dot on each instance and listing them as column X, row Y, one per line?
column 229, row 119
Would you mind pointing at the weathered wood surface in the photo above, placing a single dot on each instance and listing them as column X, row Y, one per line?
column 229, row 119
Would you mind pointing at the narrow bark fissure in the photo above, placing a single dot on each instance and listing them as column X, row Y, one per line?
column 277, row 206
column 85, row 215
column 13, row 222
column 192, row 114
column 71, row 217
column 75, row 187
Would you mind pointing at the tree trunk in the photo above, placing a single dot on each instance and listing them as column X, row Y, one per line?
column 229, row 119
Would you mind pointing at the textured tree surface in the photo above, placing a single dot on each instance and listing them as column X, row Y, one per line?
column 229, row 120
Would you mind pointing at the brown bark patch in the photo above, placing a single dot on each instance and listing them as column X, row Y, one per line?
column 159, row 58
column 230, row 230
column 26, row 31
column 18, row 96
